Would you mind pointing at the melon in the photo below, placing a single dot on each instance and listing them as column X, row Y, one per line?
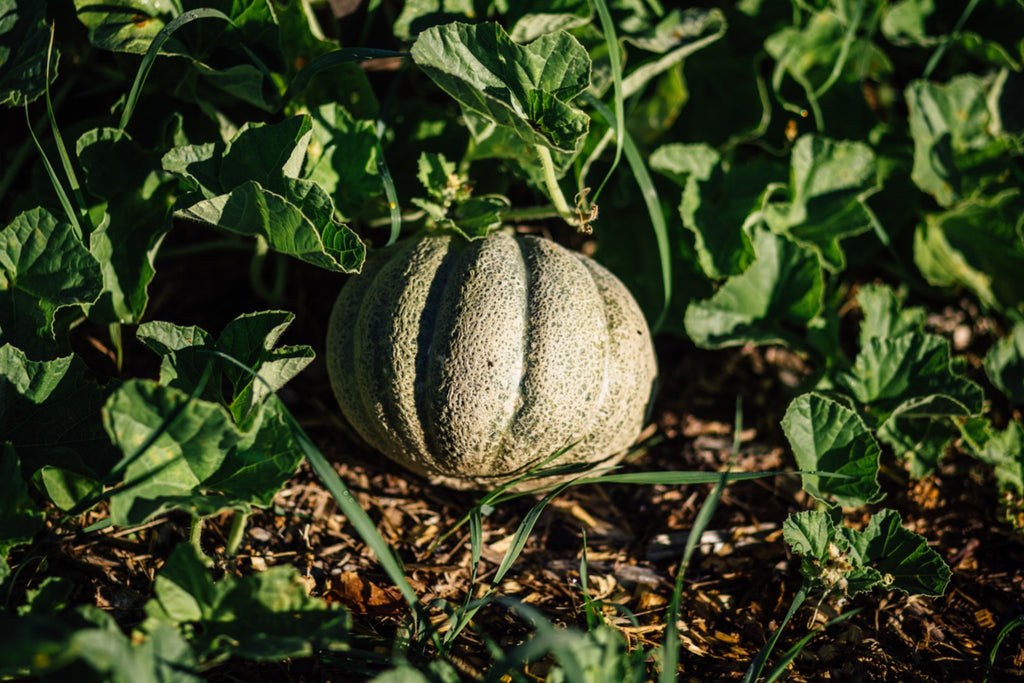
column 470, row 362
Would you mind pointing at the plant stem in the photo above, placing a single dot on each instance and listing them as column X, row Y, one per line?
column 554, row 189
column 195, row 537
column 236, row 533
column 117, row 339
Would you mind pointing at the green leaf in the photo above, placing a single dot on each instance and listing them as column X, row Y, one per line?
column 418, row 15
column 904, row 22
column 20, row 519
column 267, row 616
column 902, row 557
column 979, row 244
column 826, row 556
column 525, row 88
column 439, row 178
column 478, row 217
column 68, row 486
column 24, row 41
column 830, row 180
column 830, row 438
column 43, row 267
column 1004, row 449
column 1004, row 364
column 200, row 462
column 250, row 339
column 49, row 408
column 343, row 159
column 716, row 202
column 125, row 25
column 89, row 642
column 138, row 197
column 884, row 315
column 907, row 376
column 772, row 302
column 957, row 151
column 252, row 186
column 922, row 441
column 884, row 555
column 532, row 19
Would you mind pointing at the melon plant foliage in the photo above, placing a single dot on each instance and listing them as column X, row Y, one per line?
column 822, row 176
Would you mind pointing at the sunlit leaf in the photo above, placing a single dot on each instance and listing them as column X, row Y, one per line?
column 43, row 267
column 830, row 180
column 252, row 186
column 202, row 462
column 772, row 301
column 884, row 555
column 525, row 88
column 956, row 149
column 830, row 438
column 266, row 616
column 979, row 244
column 1004, row 364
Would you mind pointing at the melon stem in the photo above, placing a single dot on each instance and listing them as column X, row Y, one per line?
column 554, row 189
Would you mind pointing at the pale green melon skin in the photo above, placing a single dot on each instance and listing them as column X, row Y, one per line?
column 469, row 362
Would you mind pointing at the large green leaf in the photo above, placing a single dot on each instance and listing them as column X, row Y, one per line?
column 716, row 202
column 958, row 148
column 418, row 15
column 201, row 461
column 830, row 180
column 43, row 267
column 343, row 159
column 126, row 25
column 903, row 558
column 267, row 616
column 250, row 339
column 137, row 196
column 884, row 555
column 830, row 438
column 908, row 375
column 771, row 302
column 884, row 315
column 1003, row 449
column 252, row 186
column 24, row 38
column 51, row 413
column 1004, row 364
column 525, row 88
column 978, row 244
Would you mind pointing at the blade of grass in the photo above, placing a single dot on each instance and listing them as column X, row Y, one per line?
column 793, row 652
column 756, row 666
column 936, row 57
column 154, row 49
column 1005, row 631
column 671, row 478
column 62, row 151
column 651, row 200
column 593, row 618
column 615, row 62
column 394, row 212
column 58, row 186
column 360, row 521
